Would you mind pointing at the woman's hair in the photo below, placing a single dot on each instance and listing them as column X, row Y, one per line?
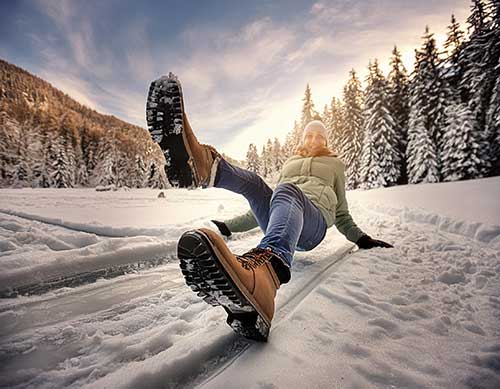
column 304, row 152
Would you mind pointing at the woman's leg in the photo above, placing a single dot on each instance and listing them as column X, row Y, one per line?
column 293, row 220
column 248, row 184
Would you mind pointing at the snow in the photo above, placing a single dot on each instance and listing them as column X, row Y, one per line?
column 424, row 314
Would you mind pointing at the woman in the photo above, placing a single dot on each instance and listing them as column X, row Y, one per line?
column 309, row 198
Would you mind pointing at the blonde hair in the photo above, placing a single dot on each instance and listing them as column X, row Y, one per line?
column 304, row 152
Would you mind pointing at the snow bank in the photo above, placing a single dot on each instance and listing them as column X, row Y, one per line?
column 423, row 314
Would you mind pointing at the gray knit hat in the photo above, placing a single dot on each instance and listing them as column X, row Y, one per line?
column 315, row 125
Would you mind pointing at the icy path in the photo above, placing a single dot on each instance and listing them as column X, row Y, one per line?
column 424, row 314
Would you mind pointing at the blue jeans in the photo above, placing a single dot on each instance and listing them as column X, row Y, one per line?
column 289, row 220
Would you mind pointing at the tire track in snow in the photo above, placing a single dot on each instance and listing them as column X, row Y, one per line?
column 80, row 227
column 64, row 305
column 284, row 310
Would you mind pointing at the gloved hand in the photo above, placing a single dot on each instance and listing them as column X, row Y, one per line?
column 366, row 242
column 224, row 230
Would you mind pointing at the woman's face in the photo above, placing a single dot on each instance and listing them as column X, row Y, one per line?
column 314, row 140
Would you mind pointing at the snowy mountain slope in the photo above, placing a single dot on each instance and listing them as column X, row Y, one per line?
column 424, row 314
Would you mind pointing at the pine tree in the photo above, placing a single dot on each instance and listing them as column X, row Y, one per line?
column 380, row 157
column 352, row 134
column 105, row 171
column 454, row 40
column 7, row 155
column 478, row 62
column 268, row 159
column 23, row 168
column 50, row 155
column 288, row 147
column 264, row 166
column 335, row 125
column 461, row 148
column 308, row 111
column 252, row 161
column 399, row 106
column 326, row 117
column 296, row 137
column 278, row 156
column 140, row 172
column 427, row 117
column 61, row 169
column 493, row 112
column 123, row 170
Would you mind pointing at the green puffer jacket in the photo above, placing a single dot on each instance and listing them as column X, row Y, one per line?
column 322, row 179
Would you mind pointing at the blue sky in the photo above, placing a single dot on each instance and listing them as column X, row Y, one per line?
column 244, row 65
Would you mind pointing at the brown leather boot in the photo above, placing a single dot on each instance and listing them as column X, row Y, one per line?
column 244, row 285
column 189, row 164
column 203, row 158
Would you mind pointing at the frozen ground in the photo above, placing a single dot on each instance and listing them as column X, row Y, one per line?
column 424, row 314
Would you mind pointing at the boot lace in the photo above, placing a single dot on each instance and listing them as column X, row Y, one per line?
column 254, row 258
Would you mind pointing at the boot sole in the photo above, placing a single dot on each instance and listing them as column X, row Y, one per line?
column 206, row 276
column 164, row 116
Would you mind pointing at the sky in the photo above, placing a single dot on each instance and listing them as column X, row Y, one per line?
column 243, row 65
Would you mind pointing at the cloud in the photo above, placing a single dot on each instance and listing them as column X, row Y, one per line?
column 242, row 83
column 73, row 86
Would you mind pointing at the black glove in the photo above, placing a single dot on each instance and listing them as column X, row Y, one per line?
column 224, row 230
column 366, row 242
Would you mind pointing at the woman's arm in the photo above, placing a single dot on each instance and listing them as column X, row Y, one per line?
column 343, row 219
column 239, row 223
column 344, row 222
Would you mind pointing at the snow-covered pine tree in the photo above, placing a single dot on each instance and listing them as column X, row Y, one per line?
column 294, row 138
column 454, row 41
column 269, row 159
column 105, row 171
column 81, row 174
column 6, row 150
column 68, row 131
column 427, row 116
column 478, row 61
column 399, row 106
column 22, row 167
column 461, row 147
column 50, row 153
column 288, row 146
column 34, row 147
column 140, row 172
column 61, row 169
column 90, row 149
column 308, row 113
column 493, row 112
column 326, row 117
column 336, row 125
column 264, row 165
column 380, row 157
column 154, row 176
column 123, row 169
column 252, row 160
column 278, row 156
column 352, row 133
column 27, row 146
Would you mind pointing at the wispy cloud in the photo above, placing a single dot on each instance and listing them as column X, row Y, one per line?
column 244, row 81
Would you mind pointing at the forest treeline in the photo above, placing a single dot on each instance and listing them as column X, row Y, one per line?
column 439, row 123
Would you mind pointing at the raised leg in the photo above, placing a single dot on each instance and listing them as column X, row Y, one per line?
column 248, row 184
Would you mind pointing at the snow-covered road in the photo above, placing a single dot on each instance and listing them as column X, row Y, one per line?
column 424, row 314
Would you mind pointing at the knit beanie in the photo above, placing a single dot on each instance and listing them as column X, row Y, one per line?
column 315, row 125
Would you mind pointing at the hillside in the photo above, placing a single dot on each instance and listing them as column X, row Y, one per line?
column 51, row 140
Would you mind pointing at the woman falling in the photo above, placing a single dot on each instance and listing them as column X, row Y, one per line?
column 309, row 198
